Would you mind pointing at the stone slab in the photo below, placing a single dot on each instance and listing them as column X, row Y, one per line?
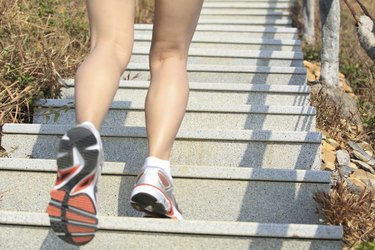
column 232, row 43
column 135, row 233
column 228, row 73
column 196, row 195
column 244, row 5
column 223, row 33
column 215, row 93
column 198, row 116
column 231, row 57
column 263, row 149
column 249, row 21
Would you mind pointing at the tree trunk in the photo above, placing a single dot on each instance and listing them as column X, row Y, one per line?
column 309, row 21
column 330, row 17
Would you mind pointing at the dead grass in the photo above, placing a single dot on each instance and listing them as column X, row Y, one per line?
column 358, row 68
column 329, row 118
column 354, row 211
column 42, row 41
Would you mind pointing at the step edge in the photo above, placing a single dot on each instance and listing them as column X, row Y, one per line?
column 207, row 68
column 185, row 171
column 209, row 135
column 200, row 27
column 244, row 229
column 233, row 53
column 221, row 87
column 196, row 108
column 231, row 40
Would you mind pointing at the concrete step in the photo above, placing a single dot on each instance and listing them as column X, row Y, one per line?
column 252, row 1
column 231, row 28
column 253, row 13
column 228, row 74
column 198, row 116
column 227, row 193
column 247, row 5
column 245, row 21
column 224, row 43
column 258, row 149
column 231, row 57
column 141, row 233
column 242, row 18
column 215, row 93
column 235, row 31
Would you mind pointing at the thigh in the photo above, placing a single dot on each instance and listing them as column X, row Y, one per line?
column 111, row 21
column 175, row 22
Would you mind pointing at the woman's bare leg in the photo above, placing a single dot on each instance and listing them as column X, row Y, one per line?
column 174, row 26
column 111, row 27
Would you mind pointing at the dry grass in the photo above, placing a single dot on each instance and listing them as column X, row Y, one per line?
column 358, row 68
column 329, row 120
column 354, row 211
column 42, row 41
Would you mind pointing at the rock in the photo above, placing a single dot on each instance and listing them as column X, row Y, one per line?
column 370, row 153
column 364, row 166
column 355, row 185
column 362, row 174
column 329, row 159
column 346, row 171
column 328, row 147
column 352, row 165
column 361, row 154
column 343, row 158
column 328, row 166
column 369, row 183
column 367, row 147
column 333, row 143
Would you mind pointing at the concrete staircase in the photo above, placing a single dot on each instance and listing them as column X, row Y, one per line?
column 246, row 160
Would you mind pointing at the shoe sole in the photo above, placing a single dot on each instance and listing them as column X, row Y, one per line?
column 73, row 217
column 153, row 202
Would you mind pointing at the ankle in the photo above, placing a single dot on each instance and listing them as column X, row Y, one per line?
column 165, row 165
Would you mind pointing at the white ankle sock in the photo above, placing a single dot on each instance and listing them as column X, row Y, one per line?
column 152, row 161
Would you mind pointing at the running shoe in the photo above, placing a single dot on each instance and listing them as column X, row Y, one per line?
column 72, row 209
column 152, row 194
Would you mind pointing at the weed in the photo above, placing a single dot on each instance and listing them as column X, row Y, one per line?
column 42, row 41
column 354, row 211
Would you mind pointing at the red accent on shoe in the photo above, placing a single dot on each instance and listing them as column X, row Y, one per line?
column 78, row 229
column 65, row 174
column 58, row 195
column 164, row 180
column 84, row 183
column 82, row 202
column 81, row 218
column 53, row 211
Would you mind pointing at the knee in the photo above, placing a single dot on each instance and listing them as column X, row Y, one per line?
column 118, row 50
column 163, row 51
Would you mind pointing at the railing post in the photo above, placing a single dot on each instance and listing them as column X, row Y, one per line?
column 330, row 18
column 309, row 21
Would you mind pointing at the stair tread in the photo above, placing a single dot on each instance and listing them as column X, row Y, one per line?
column 239, row 87
column 140, row 132
column 184, row 171
column 189, row 227
column 197, row 107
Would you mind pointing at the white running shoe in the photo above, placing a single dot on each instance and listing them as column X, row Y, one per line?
column 153, row 195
